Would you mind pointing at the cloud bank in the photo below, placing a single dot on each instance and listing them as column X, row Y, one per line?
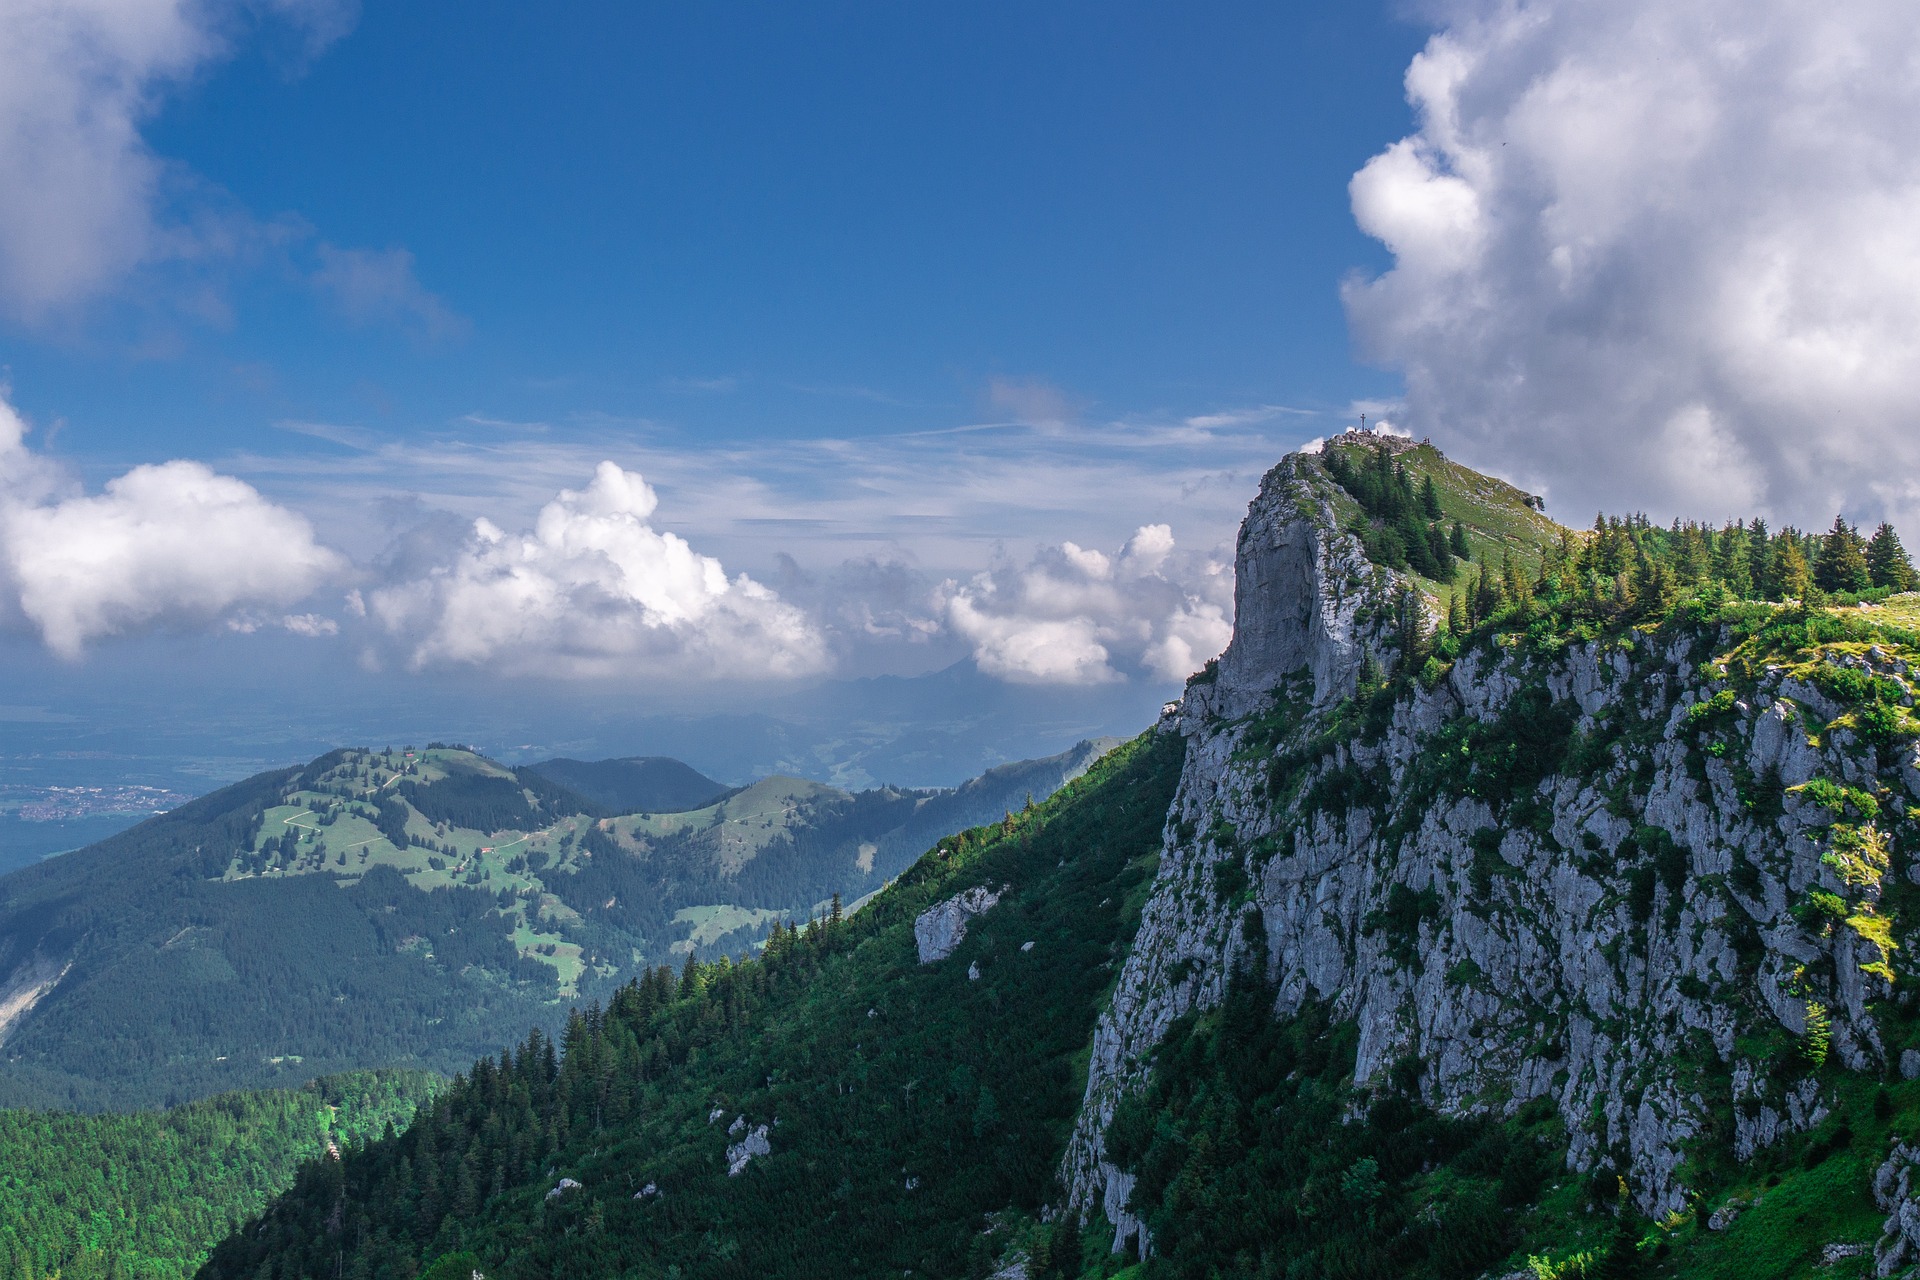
column 1662, row 256
column 170, row 545
column 593, row 589
column 1065, row 617
column 594, row 586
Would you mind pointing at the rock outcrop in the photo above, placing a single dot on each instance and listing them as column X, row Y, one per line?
column 1895, row 1190
column 941, row 927
column 1593, row 872
column 741, row 1153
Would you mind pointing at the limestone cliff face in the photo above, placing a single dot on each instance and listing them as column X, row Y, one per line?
column 1300, row 589
column 1573, row 874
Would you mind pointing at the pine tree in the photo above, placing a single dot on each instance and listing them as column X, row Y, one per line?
column 1457, row 541
column 1429, row 498
column 1513, row 584
column 1622, row 1259
column 1787, row 575
column 1410, row 629
column 1441, row 553
column 1842, row 563
column 1654, row 587
column 1695, row 559
column 1486, row 596
column 1887, row 561
column 1731, row 562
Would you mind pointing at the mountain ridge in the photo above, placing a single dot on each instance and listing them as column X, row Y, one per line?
column 401, row 907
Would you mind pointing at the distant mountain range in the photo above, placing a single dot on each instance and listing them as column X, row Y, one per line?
column 404, row 907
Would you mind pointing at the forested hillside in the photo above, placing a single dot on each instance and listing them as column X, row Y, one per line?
column 871, row 1108
column 406, row 907
column 144, row 1196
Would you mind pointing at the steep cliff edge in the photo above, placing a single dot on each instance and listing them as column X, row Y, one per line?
column 1638, row 859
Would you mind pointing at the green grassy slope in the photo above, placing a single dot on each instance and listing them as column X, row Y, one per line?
column 144, row 1196
column 147, row 971
column 903, row 1103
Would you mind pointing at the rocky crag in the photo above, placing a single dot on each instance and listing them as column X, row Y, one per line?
column 1649, row 873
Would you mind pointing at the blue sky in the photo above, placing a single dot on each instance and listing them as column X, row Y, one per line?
column 385, row 353
column 788, row 222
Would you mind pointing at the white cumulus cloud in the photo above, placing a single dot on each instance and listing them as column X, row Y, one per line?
column 593, row 590
column 1074, row 615
column 166, row 545
column 1660, row 255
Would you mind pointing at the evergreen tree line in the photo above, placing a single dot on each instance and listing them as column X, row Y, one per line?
column 1627, row 567
column 503, row 1124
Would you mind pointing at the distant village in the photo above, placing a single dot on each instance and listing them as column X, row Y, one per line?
column 55, row 804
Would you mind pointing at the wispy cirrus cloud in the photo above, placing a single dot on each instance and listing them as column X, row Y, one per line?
column 901, row 550
column 1248, row 416
column 717, row 385
column 477, row 545
column 1033, row 402
column 378, row 286
column 942, row 500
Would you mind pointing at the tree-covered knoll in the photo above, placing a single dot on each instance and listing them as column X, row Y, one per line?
column 1499, row 551
column 901, row 1102
column 1396, row 496
column 144, row 1196
column 1627, row 570
column 1404, row 528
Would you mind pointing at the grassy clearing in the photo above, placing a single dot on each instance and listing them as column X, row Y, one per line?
column 711, row 922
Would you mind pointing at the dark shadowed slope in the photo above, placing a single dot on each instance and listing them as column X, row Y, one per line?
column 635, row 784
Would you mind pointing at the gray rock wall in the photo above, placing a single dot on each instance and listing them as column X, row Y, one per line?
column 1609, row 939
